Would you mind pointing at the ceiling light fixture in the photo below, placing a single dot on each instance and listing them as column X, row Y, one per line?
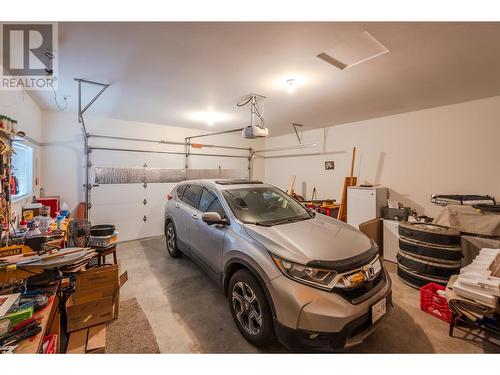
column 209, row 117
column 291, row 85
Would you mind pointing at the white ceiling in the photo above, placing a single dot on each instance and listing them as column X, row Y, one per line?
column 164, row 72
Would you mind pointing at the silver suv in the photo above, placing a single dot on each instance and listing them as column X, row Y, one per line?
column 304, row 278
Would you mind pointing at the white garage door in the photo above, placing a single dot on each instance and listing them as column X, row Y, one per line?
column 135, row 209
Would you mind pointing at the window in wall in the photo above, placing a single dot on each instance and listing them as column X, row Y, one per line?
column 22, row 168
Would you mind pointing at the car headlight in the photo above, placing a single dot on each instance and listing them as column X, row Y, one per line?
column 319, row 278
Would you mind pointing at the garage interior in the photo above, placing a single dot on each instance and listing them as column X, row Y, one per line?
column 390, row 127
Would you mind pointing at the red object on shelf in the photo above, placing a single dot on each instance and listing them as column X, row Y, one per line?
column 49, row 344
column 52, row 202
column 433, row 303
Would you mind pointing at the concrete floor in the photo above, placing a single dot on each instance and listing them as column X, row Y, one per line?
column 189, row 313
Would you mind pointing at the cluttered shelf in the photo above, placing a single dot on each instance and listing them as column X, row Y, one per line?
column 48, row 323
column 7, row 133
column 54, row 282
column 55, row 295
column 473, row 298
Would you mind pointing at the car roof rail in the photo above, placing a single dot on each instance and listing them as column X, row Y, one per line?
column 238, row 182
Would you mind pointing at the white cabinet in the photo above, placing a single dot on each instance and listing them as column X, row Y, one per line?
column 365, row 203
column 391, row 239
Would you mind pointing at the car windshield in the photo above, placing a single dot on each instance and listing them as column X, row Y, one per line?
column 264, row 206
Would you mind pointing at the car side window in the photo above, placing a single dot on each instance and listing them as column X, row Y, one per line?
column 180, row 190
column 210, row 203
column 192, row 195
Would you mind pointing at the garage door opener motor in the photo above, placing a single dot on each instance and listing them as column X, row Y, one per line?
column 254, row 130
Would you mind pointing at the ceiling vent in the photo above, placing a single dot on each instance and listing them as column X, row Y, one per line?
column 354, row 50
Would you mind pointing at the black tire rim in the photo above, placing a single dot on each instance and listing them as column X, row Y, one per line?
column 246, row 308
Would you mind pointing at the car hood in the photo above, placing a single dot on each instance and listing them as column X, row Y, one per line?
column 321, row 240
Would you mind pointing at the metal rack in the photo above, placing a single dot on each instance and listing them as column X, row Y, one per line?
column 474, row 331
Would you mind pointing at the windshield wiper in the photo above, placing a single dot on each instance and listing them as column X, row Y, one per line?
column 287, row 220
column 259, row 223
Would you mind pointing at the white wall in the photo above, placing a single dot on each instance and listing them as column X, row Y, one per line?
column 20, row 106
column 448, row 150
column 64, row 159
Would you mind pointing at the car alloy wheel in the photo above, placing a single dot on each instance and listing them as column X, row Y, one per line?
column 171, row 239
column 247, row 308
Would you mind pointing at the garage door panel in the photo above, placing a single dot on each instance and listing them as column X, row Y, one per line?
column 122, row 204
column 136, row 159
column 156, row 196
column 114, row 194
column 200, row 162
column 125, row 215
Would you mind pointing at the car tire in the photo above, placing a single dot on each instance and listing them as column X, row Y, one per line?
column 428, row 250
column 417, row 280
column 428, row 267
column 171, row 240
column 247, row 288
column 429, row 233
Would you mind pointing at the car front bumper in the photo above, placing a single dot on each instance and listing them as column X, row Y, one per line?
column 325, row 321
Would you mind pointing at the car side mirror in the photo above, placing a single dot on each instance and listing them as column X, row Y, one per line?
column 212, row 218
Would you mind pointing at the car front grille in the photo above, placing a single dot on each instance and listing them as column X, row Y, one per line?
column 366, row 290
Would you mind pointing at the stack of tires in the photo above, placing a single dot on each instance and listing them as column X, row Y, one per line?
column 427, row 253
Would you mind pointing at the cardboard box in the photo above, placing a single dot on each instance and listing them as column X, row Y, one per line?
column 29, row 213
column 87, row 314
column 99, row 291
column 88, row 341
column 96, row 299
column 52, row 202
column 111, row 289
column 77, row 342
column 97, row 276
column 122, row 280
column 96, row 340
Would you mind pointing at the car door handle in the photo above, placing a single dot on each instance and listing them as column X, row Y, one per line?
column 177, row 205
column 194, row 216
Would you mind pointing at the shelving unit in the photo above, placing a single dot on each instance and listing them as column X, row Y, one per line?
column 7, row 138
column 8, row 133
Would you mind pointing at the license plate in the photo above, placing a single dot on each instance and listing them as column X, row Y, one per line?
column 378, row 310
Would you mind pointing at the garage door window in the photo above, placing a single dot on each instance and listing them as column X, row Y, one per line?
column 22, row 168
column 210, row 203
column 192, row 195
